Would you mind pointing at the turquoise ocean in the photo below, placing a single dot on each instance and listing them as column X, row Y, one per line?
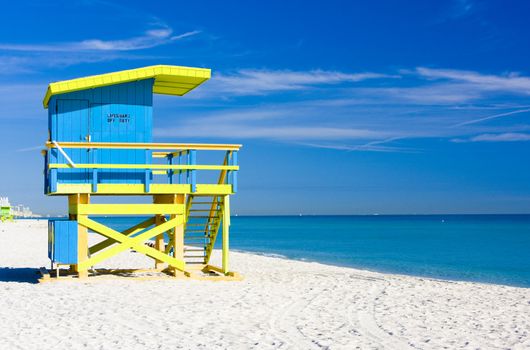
column 481, row 248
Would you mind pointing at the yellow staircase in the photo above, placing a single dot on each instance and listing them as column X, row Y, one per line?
column 202, row 226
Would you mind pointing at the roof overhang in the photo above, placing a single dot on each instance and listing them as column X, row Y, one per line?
column 169, row 80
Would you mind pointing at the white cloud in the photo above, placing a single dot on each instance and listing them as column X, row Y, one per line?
column 287, row 122
column 280, row 132
column 424, row 94
column 258, row 82
column 26, row 64
column 369, row 147
column 336, row 110
column 511, row 82
column 505, row 137
column 446, row 87
column 14, row 65
column 502, row 137
column 150, row 38
column 344, row 117
column 494, row 116
column 29, row 58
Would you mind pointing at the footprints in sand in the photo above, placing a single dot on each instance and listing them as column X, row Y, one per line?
column 366, row 318
column 325, row 309
column 285, row 322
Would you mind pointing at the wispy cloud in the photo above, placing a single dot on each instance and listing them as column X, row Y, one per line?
column 350, row 111
column 258, row 82
column 494, row 116
column 374, row 146
column 29, row 149
column 30, row 58
column 150, row 38
column 503, row 137
column 288, row 123
column 360, row 111
column 449, row 87
column 379, row 146
column 511, row 82
column 37, row 62
column 283, row 132
column 14, row 64
column 321, row 124
column 422, row 94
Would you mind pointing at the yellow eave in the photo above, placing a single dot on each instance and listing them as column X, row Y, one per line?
column 169, row 80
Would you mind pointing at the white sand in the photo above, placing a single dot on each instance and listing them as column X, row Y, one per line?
column 280, row 304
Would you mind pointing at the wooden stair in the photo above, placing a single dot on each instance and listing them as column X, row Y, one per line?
column 203, row 220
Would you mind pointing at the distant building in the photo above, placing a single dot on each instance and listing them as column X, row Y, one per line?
column 5, row 210
column 18, row 211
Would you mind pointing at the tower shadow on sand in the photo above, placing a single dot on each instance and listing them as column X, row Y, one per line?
column 19, row 275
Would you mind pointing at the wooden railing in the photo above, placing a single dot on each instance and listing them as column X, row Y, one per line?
column 181, row 166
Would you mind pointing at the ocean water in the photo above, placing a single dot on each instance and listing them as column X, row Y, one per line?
column 482, row 248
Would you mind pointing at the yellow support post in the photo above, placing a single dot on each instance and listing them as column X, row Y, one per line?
column 178, row 247
column 159, row 242
column 82, row 232
column 178, row 234
column 226, row 228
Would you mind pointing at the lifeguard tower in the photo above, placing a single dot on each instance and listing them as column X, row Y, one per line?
column 6, row 213
column 100, row 144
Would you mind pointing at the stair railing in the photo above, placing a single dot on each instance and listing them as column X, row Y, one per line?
column 217, row 208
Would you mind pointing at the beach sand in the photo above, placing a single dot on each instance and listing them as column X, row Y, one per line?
column 281, row 304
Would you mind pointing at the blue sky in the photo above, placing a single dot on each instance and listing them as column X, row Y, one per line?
column 343, row 107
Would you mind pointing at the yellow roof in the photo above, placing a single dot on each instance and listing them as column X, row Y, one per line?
column 169, row 80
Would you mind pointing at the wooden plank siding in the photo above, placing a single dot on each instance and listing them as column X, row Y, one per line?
column 116, row 113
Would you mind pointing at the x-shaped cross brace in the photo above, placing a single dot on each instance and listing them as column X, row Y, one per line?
column 136, row 243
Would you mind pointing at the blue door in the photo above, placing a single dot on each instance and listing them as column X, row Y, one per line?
column 73, row 126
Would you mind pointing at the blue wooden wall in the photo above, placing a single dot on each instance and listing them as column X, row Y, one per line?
column 117, row 113
column 62, row 241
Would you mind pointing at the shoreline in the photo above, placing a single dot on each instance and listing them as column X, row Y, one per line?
column 375, row 270
column 281, row 303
